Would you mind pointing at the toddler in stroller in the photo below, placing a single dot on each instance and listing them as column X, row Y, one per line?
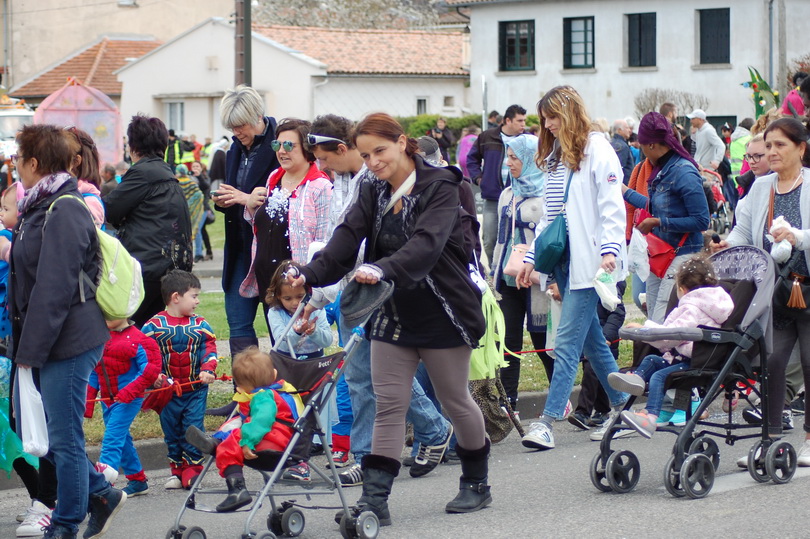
column 701, row 303
column 267, row 410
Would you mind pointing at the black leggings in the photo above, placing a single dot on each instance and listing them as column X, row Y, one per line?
column 783, row 342
column 513, row 305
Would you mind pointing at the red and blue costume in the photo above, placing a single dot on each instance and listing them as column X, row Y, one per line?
column 130, row 364
column 264, row 423
column 188, row 347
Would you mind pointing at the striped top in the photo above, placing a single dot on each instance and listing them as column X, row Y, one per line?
column 555, row 189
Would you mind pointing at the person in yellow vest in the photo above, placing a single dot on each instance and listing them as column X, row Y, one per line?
column 174, row 151
column 739, row 139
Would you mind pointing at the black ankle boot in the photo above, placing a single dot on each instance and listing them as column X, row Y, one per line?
column 238, row 495
column 473, row 491
column 378, row 476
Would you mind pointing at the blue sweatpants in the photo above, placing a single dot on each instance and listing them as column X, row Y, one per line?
column 178, row 415
column 117, row 448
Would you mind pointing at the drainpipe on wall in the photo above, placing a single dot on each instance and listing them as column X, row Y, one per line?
column 6, row 27
column 312, row 99
column 770, row 43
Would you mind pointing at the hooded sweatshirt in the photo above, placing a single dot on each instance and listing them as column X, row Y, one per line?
column 707, row 306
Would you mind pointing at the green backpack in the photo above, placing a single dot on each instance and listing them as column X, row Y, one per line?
column 119, row 292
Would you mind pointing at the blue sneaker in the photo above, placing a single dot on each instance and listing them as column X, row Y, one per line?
column 665, row 416
column 678, row 419
column 136, row 488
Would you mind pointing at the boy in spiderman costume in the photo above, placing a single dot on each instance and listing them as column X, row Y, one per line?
column 188, row 347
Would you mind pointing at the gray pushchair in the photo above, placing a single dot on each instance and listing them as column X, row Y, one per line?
column 725, row 360
column 315, row 379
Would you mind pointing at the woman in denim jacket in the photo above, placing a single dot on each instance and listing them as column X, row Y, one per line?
column 676, row 204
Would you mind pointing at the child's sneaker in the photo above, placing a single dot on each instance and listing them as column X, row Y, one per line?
column 627, row 382
column 37, row 518
column 640, row 422
column 341, row 459
column 136, row 488
column 352, row 477
column 109, row 473
column 174, row 483
column 299, row 472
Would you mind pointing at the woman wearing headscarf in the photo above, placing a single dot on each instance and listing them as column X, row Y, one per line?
column 677, row 211
column 520, row 208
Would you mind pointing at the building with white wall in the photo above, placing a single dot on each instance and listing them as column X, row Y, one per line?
column 611, row 50
column 301, row 72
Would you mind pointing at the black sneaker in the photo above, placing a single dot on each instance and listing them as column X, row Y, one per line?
column 102, row 509
column 56, row 531
column 580, row 420
column 752, row 416
column 430, row 456
column 598, row 419
column 797, row 404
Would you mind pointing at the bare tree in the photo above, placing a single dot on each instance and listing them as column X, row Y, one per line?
column 652, row 98
column 367, row 14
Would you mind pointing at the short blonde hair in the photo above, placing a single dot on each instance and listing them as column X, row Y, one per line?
column 253, row 367
column 240, row 106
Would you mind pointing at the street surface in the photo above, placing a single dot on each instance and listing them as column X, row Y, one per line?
column 535, row 494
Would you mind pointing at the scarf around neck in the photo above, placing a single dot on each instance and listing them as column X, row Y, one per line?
column 45, row 187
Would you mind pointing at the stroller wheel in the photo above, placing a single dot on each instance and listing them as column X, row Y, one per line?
column 597, row 470
column 672, row 478
column 194, row 532
column 292, row 522
column 274, row 523
column 368, row 525
column 697, row 475
column 622, row 471
column 175, row 534
column 780, row 462
column 707, row 446
column 756, row 463
column 266, row 535
column 347, row 526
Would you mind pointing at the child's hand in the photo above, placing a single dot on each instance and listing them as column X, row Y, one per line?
column 207, row 377
column 632, row 325
column 248, row 453
column 306, row 327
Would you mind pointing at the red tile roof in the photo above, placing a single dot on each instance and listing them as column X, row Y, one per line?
column 400, row 52
column 93, row 66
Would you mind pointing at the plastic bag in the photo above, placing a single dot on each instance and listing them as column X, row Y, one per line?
column 638, row 261
column 32, row 415
column 605, row 288
column 782, row 250
column 554, row 312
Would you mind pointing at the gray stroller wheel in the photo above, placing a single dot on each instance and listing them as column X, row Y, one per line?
column 707, row 446
column 780, row 462
column 672, row 478
column 292, row 522
column 622, row 470
column 175, row 534
column 194, row 532
column 368, row 525
column 597, row 470
column 697, row 475
column 756, row 463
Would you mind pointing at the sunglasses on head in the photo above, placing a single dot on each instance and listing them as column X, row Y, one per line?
column 314, row 140
column 276, row 145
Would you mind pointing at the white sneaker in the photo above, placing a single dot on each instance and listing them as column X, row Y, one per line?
column 109, row 473
column 598, row 434
column 804, row 454
column 37, row 519
column 173, row 483
column 568, row 409
column 539, row 436
column 742, row 462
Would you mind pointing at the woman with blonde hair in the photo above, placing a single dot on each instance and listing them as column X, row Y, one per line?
column 583, row 182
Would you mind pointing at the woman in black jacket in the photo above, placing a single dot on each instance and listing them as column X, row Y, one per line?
column 56, row 330
column 417, row 241
column 150, row 212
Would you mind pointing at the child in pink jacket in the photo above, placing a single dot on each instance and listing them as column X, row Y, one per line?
column 701, row 303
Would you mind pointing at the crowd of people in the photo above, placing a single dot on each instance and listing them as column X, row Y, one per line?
column 309, row 207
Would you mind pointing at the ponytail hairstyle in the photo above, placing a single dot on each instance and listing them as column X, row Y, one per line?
column 380, row 124
column 565, row 103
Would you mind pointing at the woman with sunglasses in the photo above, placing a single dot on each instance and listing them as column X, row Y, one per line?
column 290, row 212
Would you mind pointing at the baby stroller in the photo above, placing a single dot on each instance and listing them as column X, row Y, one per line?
column 316, row 379
column 720, row 209
column 724, row 360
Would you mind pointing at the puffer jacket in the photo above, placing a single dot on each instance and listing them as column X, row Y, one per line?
column 129, row 366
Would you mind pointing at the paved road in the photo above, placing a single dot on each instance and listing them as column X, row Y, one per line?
column 545, row 494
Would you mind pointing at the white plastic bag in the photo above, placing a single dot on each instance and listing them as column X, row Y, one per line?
column 605, row 288
column 554, row 312
column 782, row 250
column 32, row 415
column 638, row 261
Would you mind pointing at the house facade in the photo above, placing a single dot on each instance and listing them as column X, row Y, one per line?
column 611, row 51
column 300, row 72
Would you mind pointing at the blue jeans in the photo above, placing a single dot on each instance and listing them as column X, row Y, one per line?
column 429, row 426
column 639, row 287
column 178, row 415
column 489, row 229
column 117, row 448
column 579, row 333
column 63, row 385
column 241, row 312
column 198, row 239
column 655, row 369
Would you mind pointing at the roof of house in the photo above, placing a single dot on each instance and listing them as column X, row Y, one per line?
column 93, row 65
column 400, row 52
